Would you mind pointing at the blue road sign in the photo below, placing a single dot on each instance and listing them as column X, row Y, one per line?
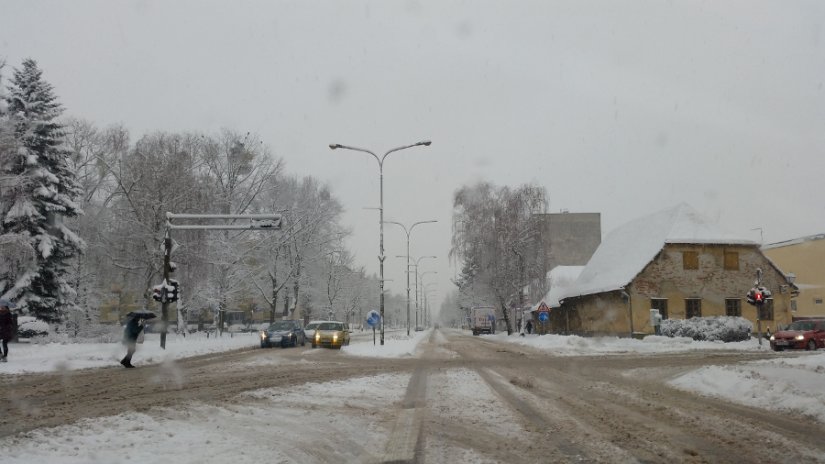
column 373, row 318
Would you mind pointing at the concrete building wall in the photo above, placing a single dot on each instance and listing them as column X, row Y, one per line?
column 805, row 258
column 570, row 239
column 666, row 278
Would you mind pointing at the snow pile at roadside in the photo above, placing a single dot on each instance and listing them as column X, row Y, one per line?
column 793, row 385
column 29, row 358
column 396, row 345
column 573, row 345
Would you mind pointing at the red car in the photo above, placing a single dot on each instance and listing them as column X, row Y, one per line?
column 806, row 334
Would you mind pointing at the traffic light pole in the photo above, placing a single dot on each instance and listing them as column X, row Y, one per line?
column 256, row 222
column 164, row 311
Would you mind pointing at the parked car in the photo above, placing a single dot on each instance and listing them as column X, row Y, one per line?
column 807, row 335
column 283, row 333
column 331, row 334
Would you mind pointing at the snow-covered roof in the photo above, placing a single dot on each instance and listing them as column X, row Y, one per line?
column 629, row 248
column 559, row 280
column 796, row 241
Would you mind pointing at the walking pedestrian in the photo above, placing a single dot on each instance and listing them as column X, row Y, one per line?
column 529, row 327
column 130, row 335
column 6, row 327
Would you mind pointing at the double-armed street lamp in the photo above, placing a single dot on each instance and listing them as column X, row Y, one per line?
column 416, row 285
column 417, row 261
column 423, row 286
column 408, row 232
column 335, row 146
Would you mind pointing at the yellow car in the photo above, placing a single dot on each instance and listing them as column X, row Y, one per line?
column 331, row 334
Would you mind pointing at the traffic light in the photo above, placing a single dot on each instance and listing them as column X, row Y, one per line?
column 757, row 296
column 173, row 293
column 157, row 293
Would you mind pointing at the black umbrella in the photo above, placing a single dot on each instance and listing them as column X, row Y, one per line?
column 142, row 314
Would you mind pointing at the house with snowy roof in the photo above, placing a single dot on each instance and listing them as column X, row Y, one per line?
column 675, row 261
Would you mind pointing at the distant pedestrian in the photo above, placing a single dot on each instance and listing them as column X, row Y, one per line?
column 130, row 335
column 6, row 327
column 529, row 327
column 656, row 321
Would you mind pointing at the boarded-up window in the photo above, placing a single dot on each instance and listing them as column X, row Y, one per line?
column 733, row 307
column 661, row 305
column 693, row 308
column 690, row 259
column 731, row 261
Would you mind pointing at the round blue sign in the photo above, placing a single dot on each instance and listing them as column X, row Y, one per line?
column 543, row 316
column 373, row 318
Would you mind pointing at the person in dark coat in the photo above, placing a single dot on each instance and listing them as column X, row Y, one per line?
column 529, row 327
column 130, row 335
column 6, row 327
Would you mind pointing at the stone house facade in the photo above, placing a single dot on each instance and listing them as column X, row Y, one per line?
column 674, row 261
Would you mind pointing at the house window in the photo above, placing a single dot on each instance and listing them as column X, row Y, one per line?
column 690, row 259
column 733, row 307
column 693, row 308
column 793, row 305
column 661, row 305
column 731, row 261
column 766, row 310
column 817, row 300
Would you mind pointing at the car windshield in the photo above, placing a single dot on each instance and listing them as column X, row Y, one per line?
column 282, row 325
column 802, row 325
column 331, row 326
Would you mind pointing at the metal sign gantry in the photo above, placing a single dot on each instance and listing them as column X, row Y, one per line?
column 256, row 222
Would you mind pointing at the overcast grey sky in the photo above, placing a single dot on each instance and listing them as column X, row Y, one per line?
column 617, row 107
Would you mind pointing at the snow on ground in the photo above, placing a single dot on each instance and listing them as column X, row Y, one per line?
column 572, row 345
column 351, row 411
column 396, row 345
column 275, row 426
column 34, row 357
column 792, row 385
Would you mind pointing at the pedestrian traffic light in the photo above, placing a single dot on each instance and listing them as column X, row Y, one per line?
column 757, row 296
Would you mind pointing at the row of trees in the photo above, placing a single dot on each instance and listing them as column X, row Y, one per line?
column 497, row 240
column 83, row 219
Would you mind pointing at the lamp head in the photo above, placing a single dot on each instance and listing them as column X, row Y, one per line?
column 333, row 146
column 426, row 143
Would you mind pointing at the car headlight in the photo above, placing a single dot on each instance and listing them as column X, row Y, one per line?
column 799, row 338
column 334, row 338
column 263, row 335
column 317, row 336
column 772, row 338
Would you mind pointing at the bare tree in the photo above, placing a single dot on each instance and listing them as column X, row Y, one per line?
column 495, row 237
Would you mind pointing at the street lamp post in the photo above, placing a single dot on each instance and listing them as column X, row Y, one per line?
column 422, row 282
column 408, row 232
column 417, row 261
column 335, row 146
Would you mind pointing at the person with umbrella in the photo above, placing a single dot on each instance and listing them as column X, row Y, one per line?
column 6, row 327
column 131, row 332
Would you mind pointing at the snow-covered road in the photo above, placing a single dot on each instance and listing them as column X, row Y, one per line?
column 482, row 399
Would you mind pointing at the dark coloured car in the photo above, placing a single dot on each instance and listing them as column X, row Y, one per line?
column 800, row 335
column 283, row 333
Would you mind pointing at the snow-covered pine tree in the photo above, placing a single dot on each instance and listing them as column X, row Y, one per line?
column 42, row 193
